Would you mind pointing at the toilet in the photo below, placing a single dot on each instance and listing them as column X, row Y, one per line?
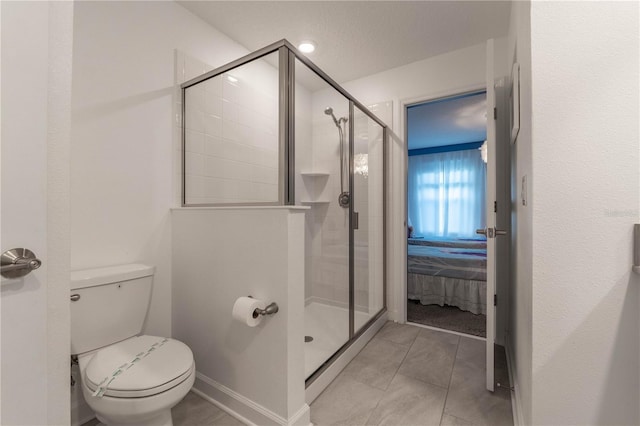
column 126, row 378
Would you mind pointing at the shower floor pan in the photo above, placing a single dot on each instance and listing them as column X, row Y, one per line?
column 329, row 327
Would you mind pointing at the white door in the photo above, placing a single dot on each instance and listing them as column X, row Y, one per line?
column 34, row 376
column 490, row 231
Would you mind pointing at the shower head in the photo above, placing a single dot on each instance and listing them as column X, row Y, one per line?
column 329, row 111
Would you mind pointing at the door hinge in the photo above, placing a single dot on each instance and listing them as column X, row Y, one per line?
column 495, row 113
column 495, row 300
column 495, row 207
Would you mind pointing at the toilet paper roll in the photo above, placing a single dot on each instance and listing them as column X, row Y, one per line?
column 244, row 308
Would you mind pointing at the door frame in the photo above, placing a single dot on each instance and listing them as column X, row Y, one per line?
column 42, row 50
column 400, row 242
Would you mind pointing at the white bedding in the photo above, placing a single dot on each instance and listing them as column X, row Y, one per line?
column 468, row 295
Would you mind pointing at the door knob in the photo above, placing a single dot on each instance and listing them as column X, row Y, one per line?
column 491, row 232
column 18, row 262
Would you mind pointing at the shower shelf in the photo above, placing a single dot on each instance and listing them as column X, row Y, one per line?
column 315, row 183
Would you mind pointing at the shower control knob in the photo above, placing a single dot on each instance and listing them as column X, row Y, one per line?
column 344, row 199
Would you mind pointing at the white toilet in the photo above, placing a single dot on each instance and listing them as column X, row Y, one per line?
column 126, row 378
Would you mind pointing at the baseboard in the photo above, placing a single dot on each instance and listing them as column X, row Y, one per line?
column 516, row 402
column 327, row 376
column 242, row 408
column 302, row 417
column 394, row 316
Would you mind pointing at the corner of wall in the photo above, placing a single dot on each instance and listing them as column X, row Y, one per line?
column 519, row 336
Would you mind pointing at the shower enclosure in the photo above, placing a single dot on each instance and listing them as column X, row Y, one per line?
column 272, row 129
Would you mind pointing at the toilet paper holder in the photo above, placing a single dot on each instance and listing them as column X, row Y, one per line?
column 270, row 309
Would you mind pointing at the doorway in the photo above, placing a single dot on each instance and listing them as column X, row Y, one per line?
column 446, row 204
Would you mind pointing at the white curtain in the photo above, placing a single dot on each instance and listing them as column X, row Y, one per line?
column 447, row 193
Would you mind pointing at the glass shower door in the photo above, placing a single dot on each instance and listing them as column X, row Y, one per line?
column 368, row 209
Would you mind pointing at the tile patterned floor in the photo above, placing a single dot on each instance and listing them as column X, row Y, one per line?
column 406, row 375
column 194, row 411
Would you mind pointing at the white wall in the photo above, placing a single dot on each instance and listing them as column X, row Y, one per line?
column 519, row 339
column 585, row 196
column 124, row 157
column 219, row 255
column 36, row 95
column 122, row 150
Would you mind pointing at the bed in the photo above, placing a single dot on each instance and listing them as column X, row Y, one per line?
column 448, row 271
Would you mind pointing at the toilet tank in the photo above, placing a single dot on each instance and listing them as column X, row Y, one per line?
column 110, row 305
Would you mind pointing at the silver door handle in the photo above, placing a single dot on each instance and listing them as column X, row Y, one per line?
column 18, row 262
column 491, row 232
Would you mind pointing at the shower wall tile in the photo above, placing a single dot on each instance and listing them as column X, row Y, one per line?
column 230, row 111
column 214, row 105
column 231, row 133
column 194, row 163
column 212, row 144
column 195, row 142
column 213, row 87
column 195, row 186
column 323, row 291
column 194, row 119
column 213, row 125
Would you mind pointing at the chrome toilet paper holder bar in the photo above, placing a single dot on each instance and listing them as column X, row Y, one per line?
column 272, row 308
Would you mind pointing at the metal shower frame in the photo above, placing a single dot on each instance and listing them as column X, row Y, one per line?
column 287, row 54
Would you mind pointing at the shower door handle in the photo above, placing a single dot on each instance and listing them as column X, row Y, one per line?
column 356, row 220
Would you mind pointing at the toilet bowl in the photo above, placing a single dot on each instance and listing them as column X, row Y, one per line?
column 126, row 378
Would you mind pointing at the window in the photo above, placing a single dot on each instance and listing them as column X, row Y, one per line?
column 447, row 193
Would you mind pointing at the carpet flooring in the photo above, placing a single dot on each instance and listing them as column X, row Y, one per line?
column 447, row 317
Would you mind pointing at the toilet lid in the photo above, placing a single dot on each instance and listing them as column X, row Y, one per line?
column 148, row 365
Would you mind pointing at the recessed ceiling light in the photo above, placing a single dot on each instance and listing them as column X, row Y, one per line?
column 232, row 78
column 307, row 46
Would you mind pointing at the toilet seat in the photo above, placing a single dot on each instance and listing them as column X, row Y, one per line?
column 161, row 364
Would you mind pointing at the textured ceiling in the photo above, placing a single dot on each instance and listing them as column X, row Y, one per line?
column 359, row 38
column 448, row 122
